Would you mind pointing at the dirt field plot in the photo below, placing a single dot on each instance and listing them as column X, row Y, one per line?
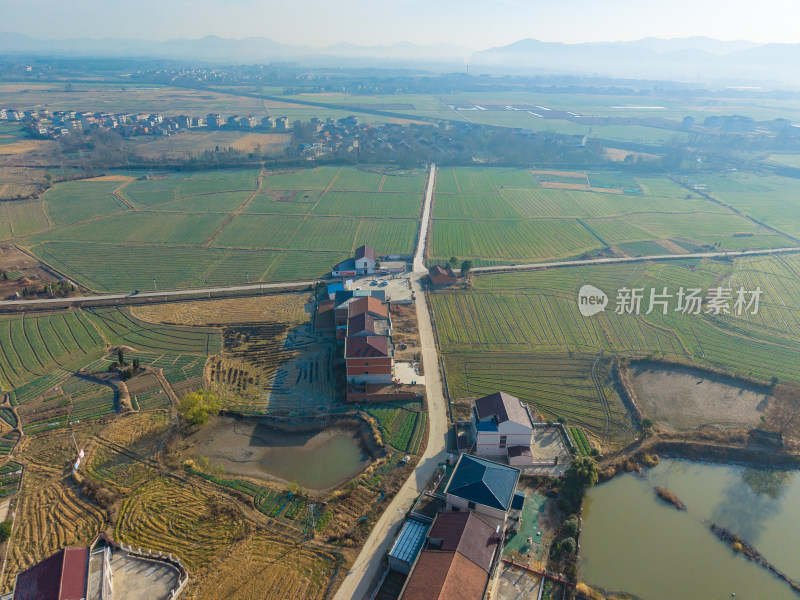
column 172, row 516
column 113, row 457
column 265, row 566
column 283, row 308
column 684, row 398
column 194, row 143
column 49, row 516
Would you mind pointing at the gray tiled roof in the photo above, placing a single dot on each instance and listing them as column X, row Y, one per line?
column 483, row 482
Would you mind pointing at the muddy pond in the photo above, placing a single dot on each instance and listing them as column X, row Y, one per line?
column 317, row 460
column 634, row 542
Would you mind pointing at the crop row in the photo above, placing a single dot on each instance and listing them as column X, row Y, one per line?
column 118, row 326
column 273, row 503
column 511, row 239
column 32, row 346
column 8, row 416
column 7, row 442
column 373, row 204
column 73, row 201
column 580, row 439
column 148, row 192
column 399, row 426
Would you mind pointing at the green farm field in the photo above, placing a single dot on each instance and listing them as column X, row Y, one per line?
column 496, row 215
column 49, row 362
column 39, row 346
column 533, row 318
column 216, row 227
column 772, row 200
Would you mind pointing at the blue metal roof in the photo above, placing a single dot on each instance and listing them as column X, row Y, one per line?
column 409, row 542
column 486, row 426
column 335, row 287
column 345, row 265
column 518, row 501
column 483, row 482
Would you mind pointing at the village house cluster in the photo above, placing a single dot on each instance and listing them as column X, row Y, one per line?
column 313, row 139
column 54, row 124
column 453, row 539
column 363, row 322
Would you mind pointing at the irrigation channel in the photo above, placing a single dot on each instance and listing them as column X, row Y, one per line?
column 634, row 542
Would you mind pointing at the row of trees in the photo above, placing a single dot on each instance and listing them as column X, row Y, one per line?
column 466, row 265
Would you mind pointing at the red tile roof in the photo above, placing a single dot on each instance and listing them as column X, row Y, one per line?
column 365, row 252
column 62, row 576
column 440, row 274
column 366, row 347
column 359, row 323
column 466, row 533
column 442, row 575
column 367, row 304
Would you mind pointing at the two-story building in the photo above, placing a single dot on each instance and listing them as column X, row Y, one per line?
column 370, row 359
column 363, row 263
column 483, row 486
column 501, row 427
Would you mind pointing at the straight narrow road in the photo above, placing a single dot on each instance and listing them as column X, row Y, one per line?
column 633, row 259
column 164, row 294
column 369, row 562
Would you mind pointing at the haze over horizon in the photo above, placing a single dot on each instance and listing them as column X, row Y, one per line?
column 466, row 23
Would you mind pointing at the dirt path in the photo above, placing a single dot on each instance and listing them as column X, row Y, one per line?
column 121, row 197
column 233, row 215
column 325, row 191
column 173, row 398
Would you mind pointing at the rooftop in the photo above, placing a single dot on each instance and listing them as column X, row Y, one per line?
column 483, row 482
column 503, row 407
column 345, row 265
column 366, row 323
column 466, row 533
column 368, row 304
column 409, row 542
column 442, row 575
column 367, row 347
column 365, row 252
column 62, row 576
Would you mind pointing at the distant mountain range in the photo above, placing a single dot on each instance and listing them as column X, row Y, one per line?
column 682, row 59
column 214, row 48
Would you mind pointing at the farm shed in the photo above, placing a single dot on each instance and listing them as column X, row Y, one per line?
column 406, row 547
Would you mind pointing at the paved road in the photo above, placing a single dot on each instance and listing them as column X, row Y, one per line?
column 632, row 259
column 424, row 227
column 163, row 294
column 369, row 562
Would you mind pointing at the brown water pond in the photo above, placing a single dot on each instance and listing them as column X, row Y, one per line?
column 317, row 460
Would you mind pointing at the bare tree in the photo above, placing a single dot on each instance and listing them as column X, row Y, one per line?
column 783, row 414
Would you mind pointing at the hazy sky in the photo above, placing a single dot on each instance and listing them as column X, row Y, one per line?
column 471, row 23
